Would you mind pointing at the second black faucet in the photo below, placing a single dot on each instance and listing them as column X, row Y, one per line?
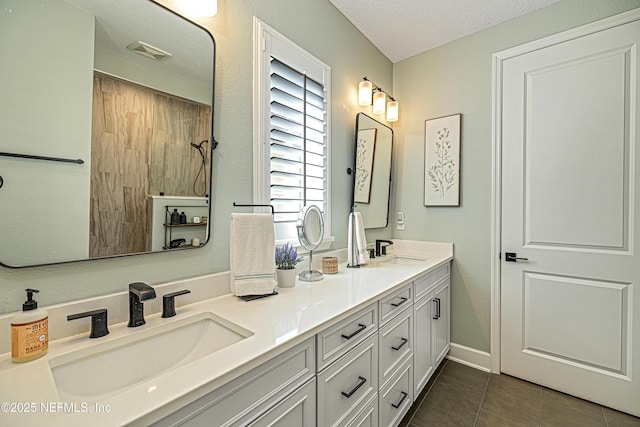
column 138, row 293
column 381, row 249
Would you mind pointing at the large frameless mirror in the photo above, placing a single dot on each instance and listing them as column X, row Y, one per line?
column 372, row 175
column 105, row 130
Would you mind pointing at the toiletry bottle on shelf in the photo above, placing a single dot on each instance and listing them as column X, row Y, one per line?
column 29, row 331
column 183, row 218
column 175, row 217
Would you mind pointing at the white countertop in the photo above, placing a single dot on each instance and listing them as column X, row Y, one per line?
column 278, row 323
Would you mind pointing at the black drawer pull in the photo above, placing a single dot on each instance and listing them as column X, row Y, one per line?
column 404, row 341
column 402, row 301
column 397, row 405
column 437, row 315
column 361, row 382
column 360, row 329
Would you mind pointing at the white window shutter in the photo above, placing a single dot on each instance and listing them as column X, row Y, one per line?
column 297, row 145
column 295, row 104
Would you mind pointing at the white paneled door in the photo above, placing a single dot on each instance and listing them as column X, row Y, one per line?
column 570, row 269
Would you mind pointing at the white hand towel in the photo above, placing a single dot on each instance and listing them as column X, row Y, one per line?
column 355, row 220
column 252, row 257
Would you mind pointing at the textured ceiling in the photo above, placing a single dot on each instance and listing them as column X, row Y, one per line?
column 404, row 28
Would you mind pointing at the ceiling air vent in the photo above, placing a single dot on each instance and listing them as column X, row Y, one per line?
column 149, row 51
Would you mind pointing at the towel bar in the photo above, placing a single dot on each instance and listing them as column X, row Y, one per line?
column 51, row 159
column 256, row 206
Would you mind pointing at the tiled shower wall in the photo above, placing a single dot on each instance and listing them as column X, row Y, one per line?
column 141, row 145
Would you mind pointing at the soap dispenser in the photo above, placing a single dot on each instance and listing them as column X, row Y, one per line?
column 29, row 331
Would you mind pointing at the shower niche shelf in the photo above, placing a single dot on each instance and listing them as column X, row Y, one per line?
column 185, row 231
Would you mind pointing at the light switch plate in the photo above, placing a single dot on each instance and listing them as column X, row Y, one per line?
column 400, row 220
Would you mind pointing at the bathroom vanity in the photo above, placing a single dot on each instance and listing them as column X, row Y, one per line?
column 353, row 349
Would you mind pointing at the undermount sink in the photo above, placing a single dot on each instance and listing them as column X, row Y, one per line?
column 402, row 259
column 106, row 368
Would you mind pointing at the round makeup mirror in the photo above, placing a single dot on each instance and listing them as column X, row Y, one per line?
column 310, row 233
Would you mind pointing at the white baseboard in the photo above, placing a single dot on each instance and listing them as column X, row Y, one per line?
column 470, row 356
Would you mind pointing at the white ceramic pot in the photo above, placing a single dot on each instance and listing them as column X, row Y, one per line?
column 286, row 278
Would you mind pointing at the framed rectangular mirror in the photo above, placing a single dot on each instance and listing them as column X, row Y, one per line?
column 124, row 90
column 372, row 177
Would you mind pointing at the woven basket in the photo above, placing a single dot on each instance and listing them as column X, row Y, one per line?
column 329, row 265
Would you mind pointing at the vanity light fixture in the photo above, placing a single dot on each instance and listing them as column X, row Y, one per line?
column 379, row 106
column 392, row 111
column 369, row 92
column 365, row 92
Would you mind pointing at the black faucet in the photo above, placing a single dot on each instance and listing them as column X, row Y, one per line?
column 98, row 321
column 380, row 249
column 169, row 303
column 138, row 293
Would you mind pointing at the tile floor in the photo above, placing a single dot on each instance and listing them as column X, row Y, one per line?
column 458, row 395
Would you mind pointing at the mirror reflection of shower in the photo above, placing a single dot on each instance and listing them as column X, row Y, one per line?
column 202, row 170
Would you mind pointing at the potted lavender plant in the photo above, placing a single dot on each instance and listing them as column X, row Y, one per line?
column 286, row 260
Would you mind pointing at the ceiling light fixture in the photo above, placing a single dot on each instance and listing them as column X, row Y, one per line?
column 369, row 92
column 205, row 8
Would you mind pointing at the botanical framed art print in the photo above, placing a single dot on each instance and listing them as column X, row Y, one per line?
column 365, row 152
column 442, row 161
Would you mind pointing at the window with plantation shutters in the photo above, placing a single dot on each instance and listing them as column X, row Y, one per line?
column 297, row 144
column 292, row 143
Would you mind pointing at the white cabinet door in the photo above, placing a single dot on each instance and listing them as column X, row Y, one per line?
column 423, row 366
column 432, row 339
column 440, row 318
column 297, row 410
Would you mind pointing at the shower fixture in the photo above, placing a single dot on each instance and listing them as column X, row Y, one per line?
column 201, row 150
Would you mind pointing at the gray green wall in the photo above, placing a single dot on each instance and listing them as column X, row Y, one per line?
column 456, row 78
column 30, row 185
column 316, row 26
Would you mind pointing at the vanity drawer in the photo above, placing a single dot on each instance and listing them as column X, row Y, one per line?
column 299, row 409
column 424, row 284
column 393, row 304
column 251, row 394
column 396, row 398
column 396, row 344
column 368, row 417
column 347, row 386
column 336, row 340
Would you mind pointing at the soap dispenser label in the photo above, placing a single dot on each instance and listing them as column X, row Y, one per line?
column 29, row 338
